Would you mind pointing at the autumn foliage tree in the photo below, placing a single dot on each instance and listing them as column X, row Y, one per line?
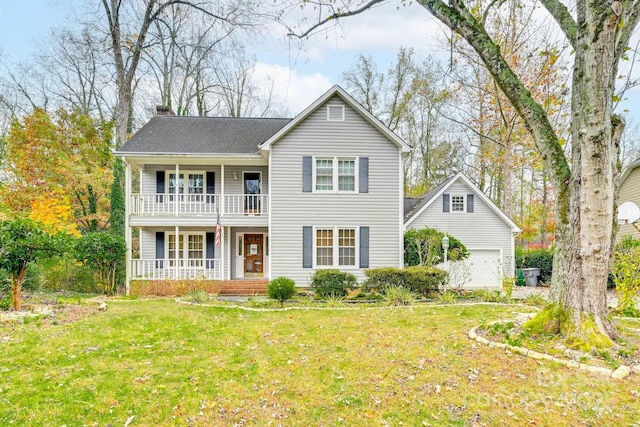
column 59, row 170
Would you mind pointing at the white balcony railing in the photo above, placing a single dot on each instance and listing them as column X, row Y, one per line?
column 199, row 204
column 172, row 269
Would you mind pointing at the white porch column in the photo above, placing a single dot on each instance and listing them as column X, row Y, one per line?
column 221, row 191
column 127, row 229
column 222, row 239
column 176, row 243
column 177, row 197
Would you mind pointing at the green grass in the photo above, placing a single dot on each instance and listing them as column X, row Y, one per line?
column 164, row 363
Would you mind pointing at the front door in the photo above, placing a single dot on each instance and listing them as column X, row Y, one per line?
column 253, row 255
column 252, row 192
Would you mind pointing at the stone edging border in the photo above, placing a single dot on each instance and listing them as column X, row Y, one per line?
column 617, row 374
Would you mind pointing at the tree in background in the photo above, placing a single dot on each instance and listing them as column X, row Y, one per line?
column 409, row 98
column 57, row 165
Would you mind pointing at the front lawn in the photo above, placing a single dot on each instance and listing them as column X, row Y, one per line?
column 155, row 362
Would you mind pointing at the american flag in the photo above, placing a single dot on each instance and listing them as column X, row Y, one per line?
column 218, row 230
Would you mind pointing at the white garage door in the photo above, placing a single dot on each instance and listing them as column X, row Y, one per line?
column 485, row 268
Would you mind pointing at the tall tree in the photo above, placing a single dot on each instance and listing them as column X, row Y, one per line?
column 585, row 182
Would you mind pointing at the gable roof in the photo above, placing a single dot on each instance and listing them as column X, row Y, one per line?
column 202, row 135
column 425, row 201
column 627, row 171
column 348, row 99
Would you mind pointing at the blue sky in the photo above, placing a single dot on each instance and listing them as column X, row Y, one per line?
column 300, row 75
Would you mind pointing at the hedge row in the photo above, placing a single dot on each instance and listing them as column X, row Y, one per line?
column 422, row 280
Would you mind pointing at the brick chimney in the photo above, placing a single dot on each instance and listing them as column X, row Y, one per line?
column 163, row 110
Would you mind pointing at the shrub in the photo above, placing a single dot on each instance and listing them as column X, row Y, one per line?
column 626, row 276
column 196, row 296
column 172, row 287
column 537, row 258
column 422, row 280
column 332, row 283
column 67, row 274
column 447, row 297
column 398, row 295
column 281, row 289
column 424, row 247
column 103, row 251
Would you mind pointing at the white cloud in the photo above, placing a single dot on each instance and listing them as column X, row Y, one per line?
column 290, row 88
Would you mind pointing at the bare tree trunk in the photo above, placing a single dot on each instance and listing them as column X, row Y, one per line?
column 16, row 289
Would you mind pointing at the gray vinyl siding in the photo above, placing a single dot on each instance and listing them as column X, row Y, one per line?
column 291, row 208
column 148, row 239
column 482, row 229
column 232, row 185
column 629, row 192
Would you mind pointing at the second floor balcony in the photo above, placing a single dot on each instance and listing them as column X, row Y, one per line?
column 170, row 204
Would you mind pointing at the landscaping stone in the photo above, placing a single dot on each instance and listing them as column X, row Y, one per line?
column 622, row 372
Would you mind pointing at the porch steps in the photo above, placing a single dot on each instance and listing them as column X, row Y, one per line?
column 244, row 287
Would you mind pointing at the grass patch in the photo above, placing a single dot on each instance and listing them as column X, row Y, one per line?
column 164, row 363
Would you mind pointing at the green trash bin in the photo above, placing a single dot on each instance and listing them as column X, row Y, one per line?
column 520, row 278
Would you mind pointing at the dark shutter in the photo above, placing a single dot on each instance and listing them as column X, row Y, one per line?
column 446, row 205
column 160, row 249
column 210, row 249
column 307, row 171
column 364, row 247
column 160, row 178
column 364, row 174
column 211, row 186
column 307, row 246
column 470, row 203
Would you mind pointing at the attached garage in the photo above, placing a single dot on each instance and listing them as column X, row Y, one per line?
column 485, row 267
column 458, row 207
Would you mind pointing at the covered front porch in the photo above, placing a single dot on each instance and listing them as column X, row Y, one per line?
column 197, row 253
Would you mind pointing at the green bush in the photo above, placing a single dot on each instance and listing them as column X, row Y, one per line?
column 281, row 289
column 32, row 279
column 332, row 283
column 536, row 258
column 422, row 280
column 424, row 247
column 398, row 296
column 103, row 251
column 67, row 274
column 624, row 269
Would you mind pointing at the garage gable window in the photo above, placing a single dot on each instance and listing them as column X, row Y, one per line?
column 457, row 203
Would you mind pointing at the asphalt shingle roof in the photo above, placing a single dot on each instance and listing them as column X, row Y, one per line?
column 202, row 135
column 412, row 205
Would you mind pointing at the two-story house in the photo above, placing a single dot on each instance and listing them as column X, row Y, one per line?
column 244, row 198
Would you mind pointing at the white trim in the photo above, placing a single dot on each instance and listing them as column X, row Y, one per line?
column 348, row 99
column 336, row 248
column 341, row 115
column 270, row 216
column 336, row 175
column 401, row 216
column 244, row 172
column 185, row 174
column 127, row 224
column 185, row 248
column 464, row 203
column 476, row 191
column 266, row 259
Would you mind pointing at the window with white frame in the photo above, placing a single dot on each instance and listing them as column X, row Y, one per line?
column 195, row 183
column 347, row 246
column 335, row 247
column 329, row 171
column 193, row 251
column 324, row 247
column 457, row 203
